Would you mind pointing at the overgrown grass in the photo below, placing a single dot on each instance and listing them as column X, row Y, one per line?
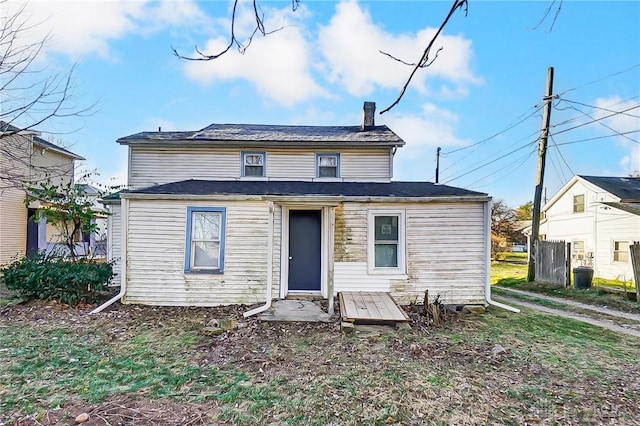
column 553, row 369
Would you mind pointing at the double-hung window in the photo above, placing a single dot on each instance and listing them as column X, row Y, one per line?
column 578, row 203
column 253, row 164
column 205, row 239
column 621, row 251
column 386, row 241
column 327, row 165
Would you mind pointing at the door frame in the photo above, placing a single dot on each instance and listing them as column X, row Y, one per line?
column 324, row 250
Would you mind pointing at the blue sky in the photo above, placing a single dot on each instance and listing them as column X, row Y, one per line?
column 480, row 101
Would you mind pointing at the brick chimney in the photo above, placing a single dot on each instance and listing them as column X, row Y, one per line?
column 368, row 115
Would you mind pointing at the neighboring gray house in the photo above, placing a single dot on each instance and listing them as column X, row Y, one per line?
column 237, row 213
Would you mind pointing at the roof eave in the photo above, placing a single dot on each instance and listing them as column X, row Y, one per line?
column 159, row 143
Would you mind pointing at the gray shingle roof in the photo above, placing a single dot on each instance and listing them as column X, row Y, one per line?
column 8, row 128
column 259, row 134
column 626, row 188
column 300, row 188
column 633, row 208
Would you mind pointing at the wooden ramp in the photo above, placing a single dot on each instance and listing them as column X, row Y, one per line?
column 370, row 308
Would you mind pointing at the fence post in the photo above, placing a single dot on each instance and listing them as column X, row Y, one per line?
column 567, row 273
column 635, row 260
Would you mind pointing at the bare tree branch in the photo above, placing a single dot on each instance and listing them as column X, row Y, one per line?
column 424, row 60
column 234, row 40
column 28, row 99
column 546, row 15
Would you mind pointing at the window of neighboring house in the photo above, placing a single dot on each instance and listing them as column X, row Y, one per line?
column 577, row 247
column 327, row 165
column 386, row 241
column 621, row 251
column 578, row 203
column 205, row 239
column 253, row 164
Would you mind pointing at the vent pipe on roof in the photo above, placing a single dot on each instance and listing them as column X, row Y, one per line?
column 368, row 115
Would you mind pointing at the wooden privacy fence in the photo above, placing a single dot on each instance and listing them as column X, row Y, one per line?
column 553, row 262
column 635, row 260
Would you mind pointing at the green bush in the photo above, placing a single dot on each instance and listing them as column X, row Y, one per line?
column 55, row 278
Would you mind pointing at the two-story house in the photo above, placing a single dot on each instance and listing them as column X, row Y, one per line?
column 237, row 213
column 600, row 217
column 26, row 157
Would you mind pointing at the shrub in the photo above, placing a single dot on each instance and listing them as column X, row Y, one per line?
column 55, row 278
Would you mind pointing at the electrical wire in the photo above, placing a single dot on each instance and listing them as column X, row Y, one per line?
column 597, row 120
column 597, row 137
column 598, row 80
column 555, row 145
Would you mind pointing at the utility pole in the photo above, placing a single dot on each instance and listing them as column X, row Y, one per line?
column 438, row 164
column 542, row 157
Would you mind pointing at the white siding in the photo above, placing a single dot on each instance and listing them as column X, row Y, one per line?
column 445, row 252
column 156, row 255
column 598, row 226
column 155, row 166
column 614, row 225
column 366, row 165
column 159, row 166
column 114, row 240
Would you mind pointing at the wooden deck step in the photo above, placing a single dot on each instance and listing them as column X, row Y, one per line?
column 370, row 308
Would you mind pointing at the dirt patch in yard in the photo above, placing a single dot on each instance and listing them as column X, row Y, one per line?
column 497, row 368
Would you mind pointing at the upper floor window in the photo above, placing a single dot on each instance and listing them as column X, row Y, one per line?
column 578, row 203
column 327, row 165
column 621, row 251
column 205, row 239
column 253, row 164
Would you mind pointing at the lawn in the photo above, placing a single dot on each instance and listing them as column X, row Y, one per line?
column 150, row 365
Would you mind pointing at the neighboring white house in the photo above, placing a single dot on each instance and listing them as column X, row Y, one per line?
column 220, row 215
column 24, row 156
column 600, row 217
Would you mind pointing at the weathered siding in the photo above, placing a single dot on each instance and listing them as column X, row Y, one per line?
column 156, row 249
column 370, row 166
column 149, row 166
column 445, row 252
column 155, row 166
column 114, row 237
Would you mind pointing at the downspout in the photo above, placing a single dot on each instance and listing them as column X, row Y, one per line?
column 267, row 303
column 124, row 209
column 487, row 279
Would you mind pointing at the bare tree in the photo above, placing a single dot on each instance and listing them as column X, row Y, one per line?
column 29, row 98
column 425, row 60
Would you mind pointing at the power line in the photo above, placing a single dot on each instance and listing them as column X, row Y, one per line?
column 601, row 108
column 492, row 161
column 600, row 79
column 507, row 171
column 596, row 120
column 510, row 126
column 561, row 156
column 604, row 125
column 598, row 137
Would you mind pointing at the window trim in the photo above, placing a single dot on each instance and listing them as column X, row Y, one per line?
column 188, row 269
column 243, row 155
column 583, row 204
column 614, row 251
column 327, row 154
column 401, row 269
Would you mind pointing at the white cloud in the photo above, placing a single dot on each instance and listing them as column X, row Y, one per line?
column 278, row 66
column 351, row 42
column 423, row 132
column 623, row 118
column 79, row 28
